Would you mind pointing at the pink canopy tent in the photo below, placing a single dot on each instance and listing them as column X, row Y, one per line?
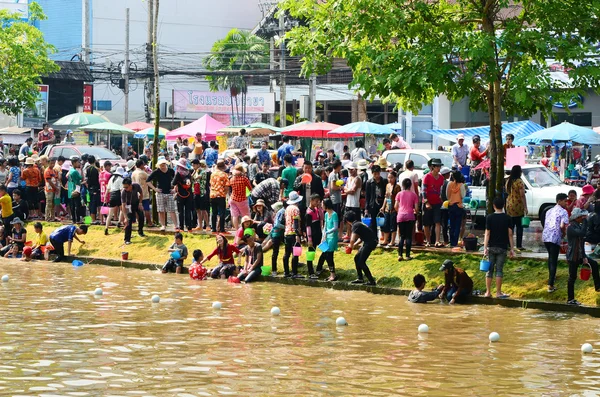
column 137, row 126
column 205, row 125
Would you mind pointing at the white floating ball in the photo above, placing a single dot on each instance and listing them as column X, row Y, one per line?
column 98, row 291
column 216, row 305
column 587, row 348
column 340, row 321
column 494, row 337
column 5, row 278
column 423, row 328
column 155, row 298
column 275, row 311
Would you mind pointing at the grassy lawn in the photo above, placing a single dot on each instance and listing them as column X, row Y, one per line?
column 525, row 279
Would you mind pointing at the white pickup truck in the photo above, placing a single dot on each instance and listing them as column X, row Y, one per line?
column 541, row 188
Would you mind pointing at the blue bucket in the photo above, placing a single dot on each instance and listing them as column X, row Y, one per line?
column 366, row 221
column 380, row 221
column 77, row 263
column 323, row 246
column 484, row 265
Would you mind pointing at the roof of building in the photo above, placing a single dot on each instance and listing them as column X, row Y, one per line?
column 72, row 71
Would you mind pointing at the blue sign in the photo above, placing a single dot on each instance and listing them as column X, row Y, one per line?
column 572, row 103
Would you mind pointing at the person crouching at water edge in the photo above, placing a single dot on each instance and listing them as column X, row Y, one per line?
column 418, row 295
column 179, row 253
column 66, row 234
column 225, row 253
column 361, row 233
column 458, row 285
column 254, row 259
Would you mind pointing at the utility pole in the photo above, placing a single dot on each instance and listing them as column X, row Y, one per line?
column 126, row 79
column 312, row 95
column 85, row 34
column 154, row 47
column 282, row 100
column 149, row 62
column 272, row 81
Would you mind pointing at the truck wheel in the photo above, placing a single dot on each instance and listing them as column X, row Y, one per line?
column 543, row 213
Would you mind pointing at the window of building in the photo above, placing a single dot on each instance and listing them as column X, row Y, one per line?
column 582, row 119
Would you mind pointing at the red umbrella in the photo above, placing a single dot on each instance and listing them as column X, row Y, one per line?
column 483, row 164
column 137, row 126
column 314, row 130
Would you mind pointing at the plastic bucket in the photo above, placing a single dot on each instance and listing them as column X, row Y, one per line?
column 77, row 263
column 57, row 201
column 124, row 255
column 419, row 238
column 366, row 221
column 526, row 221
column 310, row 254
column 564, row 246
column 348, row 250
column 323, row 246
column 470, row 243
column 380, row 221
column 265, row 270
column 297, row 251
column 104, row 210
column 28, row 243
column 87, row 220
column 484, row 265
column 585, row 272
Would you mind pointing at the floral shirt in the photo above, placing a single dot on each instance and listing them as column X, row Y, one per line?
column 554, row 218
column 218, row 184
column 292, row 213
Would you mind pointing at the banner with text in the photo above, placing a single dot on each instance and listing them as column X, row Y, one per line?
column 220, row 102
column 38, row 115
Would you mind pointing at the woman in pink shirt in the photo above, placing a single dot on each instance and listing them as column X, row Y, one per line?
column 104, row 178
column 407, row 205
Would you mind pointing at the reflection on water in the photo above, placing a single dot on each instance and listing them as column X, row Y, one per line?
column 57, row 338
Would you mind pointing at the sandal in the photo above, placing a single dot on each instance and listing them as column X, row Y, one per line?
column 409, row 258
column 427, row 245
column 332, row 279
column 439, row 245
column 400, row 259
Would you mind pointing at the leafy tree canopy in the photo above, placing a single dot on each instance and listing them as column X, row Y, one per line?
column 24, row 58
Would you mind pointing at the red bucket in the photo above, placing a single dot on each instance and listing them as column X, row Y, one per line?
column 348, row 250
column 125, row 255
column 419, row 238
column 585, row 272
column 564, row 247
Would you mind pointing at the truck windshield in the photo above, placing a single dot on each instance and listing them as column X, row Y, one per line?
column 541, row 177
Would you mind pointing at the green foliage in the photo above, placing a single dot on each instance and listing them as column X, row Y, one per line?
column 24, row 58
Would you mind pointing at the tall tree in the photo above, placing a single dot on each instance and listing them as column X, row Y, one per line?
column 498, row 53
column 24, row 59
column 156, row 4
column 239, row 50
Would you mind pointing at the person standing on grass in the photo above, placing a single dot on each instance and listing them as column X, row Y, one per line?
column 115, row 184
column 200, row 188
column 497, row 240
column 352, row 190
column 66, row 234
column 52, row 188
column 92, row 180
column 218, row 195
column 555, row 228
column 165, row 203
column 238, row 203
column 516, row 202
column 289, row 173
column 331, row 237
column 131, row 205
column 74, row 179
column 455, row 192
column 375, row 195
column 576, row 254
column 389, row 211
column 432, row 202
column 182, row 184
column 335, row 190
column 407, row 206
column 361, row 233
column 314, row 229
column 140, row 176
column 292, row 234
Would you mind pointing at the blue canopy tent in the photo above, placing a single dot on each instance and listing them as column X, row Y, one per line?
column 563, row 132
column 519, row 129
column 396, row 126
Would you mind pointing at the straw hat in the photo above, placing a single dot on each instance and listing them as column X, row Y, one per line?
column 277, row 206
column 246, row 218
column 362, row 164
column 29, row 161
column 260, row 202
column 383, row 163
column 161, row 162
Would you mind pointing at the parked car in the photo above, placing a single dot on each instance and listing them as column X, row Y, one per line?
column 67, row 150
column 419, row 156
column 251, row 152
column 541, row 188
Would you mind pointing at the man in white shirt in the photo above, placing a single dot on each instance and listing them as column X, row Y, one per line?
column 410, row 174
column 460, row 151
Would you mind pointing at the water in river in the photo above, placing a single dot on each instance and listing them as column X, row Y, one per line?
column 58, row 339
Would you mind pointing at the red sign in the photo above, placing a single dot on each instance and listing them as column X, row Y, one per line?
column 88, row 98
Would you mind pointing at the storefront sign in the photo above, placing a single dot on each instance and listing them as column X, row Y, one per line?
column 88, row 98
column 220, row 102
column 572, row 103
column 35, row 117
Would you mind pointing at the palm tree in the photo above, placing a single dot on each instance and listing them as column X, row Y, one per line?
column 239, row 50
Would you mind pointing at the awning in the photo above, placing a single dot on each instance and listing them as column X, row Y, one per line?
column 14, row 139
column 519, row 129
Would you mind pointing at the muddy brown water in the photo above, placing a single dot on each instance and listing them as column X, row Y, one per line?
column 58, row 339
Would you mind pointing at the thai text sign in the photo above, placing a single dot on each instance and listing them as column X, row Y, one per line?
column 88, row 98
column 220, row 102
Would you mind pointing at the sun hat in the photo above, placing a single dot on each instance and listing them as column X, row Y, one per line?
column 277, row 206
column 351, row 166
column 259, row 202
column 182, row 163
column 587, row 189
column 383, row 163
column 436, row 162
column 130, row 165
column 445, row 171
column 202, row 163
column 448, row 264
column 362, row 164
column 161, row 162
column 35, row 157
column 21, row 157
column 294, row 198
column 120, row 171
column 246, row 218
column 460, row 136
column 29, row 161
column 577, row 212
column 16, row 220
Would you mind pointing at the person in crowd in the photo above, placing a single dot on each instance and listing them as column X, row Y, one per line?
column 17, row 237
column 432, row 202
column 406, row 206
column 387, row 145
column 586, row 200
column 571, row 201
column 359, row 152
column 182, row 184
column 315, row 186
column 264, row 157
column 593, row 177
column 254, row 259
column 66, row 234
column 140, row 176
column 26, row 148
column 455, row 192
column 219, row 183
column 240, row 141
column 165, row 204
column 31, row 176
column 6, row 206
column 276, row 235
column 51, row 188
column 576, row 232
column 418, row 296
column 3, row 171
column 115, row 184
column 346, row 161
column 459, row 152
column 375, row 196
column 445, row 172
column 353, row 191
column 292, row 234
column 20, row 207
column 92, row 183
column 555, row 228
column 321, row 160
column 263, row 175
column 389, row 211
column 477, row 154
column 361, row 233
column 211, row 155
column 246, row 223
column 398, row 142
column 262, row 216
column 131, row 205
column 270, row 191
column 335, row 188
column 196, row 270
column 497, row 240
column 331, row 225
column 253, row 168
column 104, row 177
column 314, row 229
column 289, row 173
column 45, row 136
column 457, row 285
column 238, row 203
column 14, row 175
column 201, row 193
column 516, row 202
column 409, row 173
column 225, row 253
column 39, row 240
column 285, row 149
column 69, row 138
column 510, row 138
column 198, row 151
column 75, row 179
column 593, row 225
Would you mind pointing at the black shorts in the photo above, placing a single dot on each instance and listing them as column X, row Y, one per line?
column 433, row 215
column 31, row 194
column 338, row 210
column 115, row 199
column 201, row 203
column 390, row 224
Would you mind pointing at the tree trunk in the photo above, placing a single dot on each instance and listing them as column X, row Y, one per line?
column 232, row 115
column 156, row 103
column 492, row 153
column 498, row 135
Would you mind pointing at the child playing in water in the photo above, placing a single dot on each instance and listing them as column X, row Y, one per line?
column 27, row 254
column 196, row 270
column 17, row 237
column 39, row 241
column 176, row 265
column 418, row 296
